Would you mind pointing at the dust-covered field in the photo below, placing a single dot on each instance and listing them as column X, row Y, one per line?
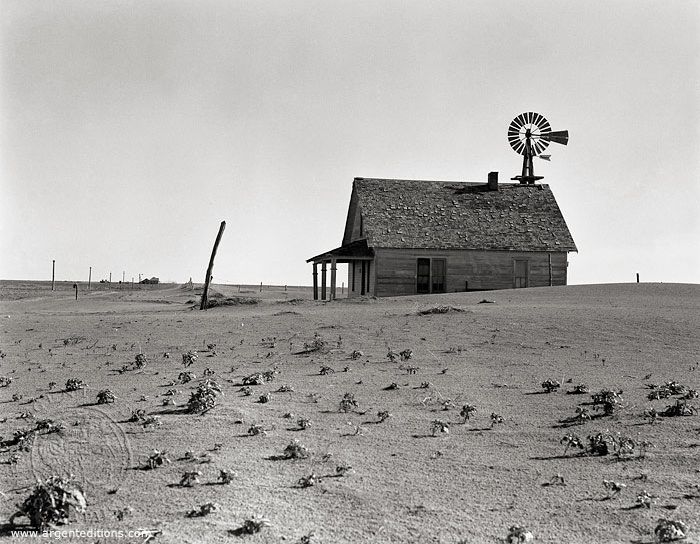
column 397, row 461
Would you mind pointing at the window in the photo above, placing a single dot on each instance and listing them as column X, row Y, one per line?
column 431, row 276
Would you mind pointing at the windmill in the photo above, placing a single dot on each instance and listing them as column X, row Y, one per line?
column 529, row 135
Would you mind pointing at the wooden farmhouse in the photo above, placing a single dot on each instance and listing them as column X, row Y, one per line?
column 407, row 237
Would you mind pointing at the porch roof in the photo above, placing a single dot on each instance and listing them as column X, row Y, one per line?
column 354, row 251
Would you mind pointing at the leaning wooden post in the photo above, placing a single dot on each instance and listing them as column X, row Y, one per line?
column 75, row 286
column 90, row 278
column 203, row 305
column 53, row 274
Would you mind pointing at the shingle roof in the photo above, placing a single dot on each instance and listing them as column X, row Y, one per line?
column 453, row 215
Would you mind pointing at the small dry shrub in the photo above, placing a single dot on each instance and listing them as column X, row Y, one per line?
column 189, row 358
column 304, row 423
column 317, row 344
column 519, row 535
column 204, row 510
column 74, row 384
column 137, row 415
column 607, row 400
column 251, row 526
column 439, row 426
column 669, row 530
column 140, row 361
column 681, row 408
column 204, row 398
column 157, row 459
column 348, row 403
column 383, row 416
column 571, row 441
column 580, row 389
column 255, row 430
column 50, row 503
column 601, row 444
column 467, row 411
column 550, row 386
column 185, row 377
column 264, row 398
column 190, row 478
column 326, row 370
column 226, row 476
column 308, row 481
column 356, row 354
column 296, row 450
column 5, row 381
column 496, row 419
column 105, row 397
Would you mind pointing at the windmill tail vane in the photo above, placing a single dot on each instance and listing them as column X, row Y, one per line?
column 529, row 134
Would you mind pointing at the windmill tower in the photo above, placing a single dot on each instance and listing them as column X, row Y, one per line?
column 529, row 135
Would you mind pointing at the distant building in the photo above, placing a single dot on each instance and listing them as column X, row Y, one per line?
column 150, row 280
column 407, row 237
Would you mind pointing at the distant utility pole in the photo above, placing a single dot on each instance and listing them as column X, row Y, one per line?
column 123, row 274
column 139, row 278
column 90, row 278
column 637, row 277
column 110, row 279
column 53, row 274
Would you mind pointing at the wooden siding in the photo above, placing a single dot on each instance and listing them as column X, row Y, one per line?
column 395, row 269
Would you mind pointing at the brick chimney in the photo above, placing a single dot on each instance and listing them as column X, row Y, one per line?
column 493, row 181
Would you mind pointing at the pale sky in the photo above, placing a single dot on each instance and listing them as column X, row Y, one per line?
column 129, row 129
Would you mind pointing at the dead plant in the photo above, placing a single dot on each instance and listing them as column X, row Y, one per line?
column 519, row 535
column 50, row 503
column 571, row 440
column 467, row 411
column 157, row 459
column 669, row 530
column 189, row 358
column 439, row 426
column 204, row 510
column 226, row 476
column 74, row 384
column 190, row 478
column 204, row 398
column 348, row 403
column 296, row 450
column 550, row 386
column 681, row 408
column 105, row 397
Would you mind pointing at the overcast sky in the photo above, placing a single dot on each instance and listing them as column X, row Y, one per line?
column 129, row 130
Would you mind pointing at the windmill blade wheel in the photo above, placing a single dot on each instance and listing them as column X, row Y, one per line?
column 530, row 126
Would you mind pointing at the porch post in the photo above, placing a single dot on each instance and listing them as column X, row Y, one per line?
column 323, row 280
column 315, row 274
column 333, row 268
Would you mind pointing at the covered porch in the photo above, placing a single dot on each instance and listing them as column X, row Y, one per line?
column 357, row 255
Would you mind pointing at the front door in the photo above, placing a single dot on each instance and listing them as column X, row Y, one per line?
column 520, row 274
column 437, row 283
column 423, row 277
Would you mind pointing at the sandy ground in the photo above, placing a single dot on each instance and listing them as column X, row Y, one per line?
column 404, row 485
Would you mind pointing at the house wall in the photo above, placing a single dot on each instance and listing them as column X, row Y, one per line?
column 395, row 269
